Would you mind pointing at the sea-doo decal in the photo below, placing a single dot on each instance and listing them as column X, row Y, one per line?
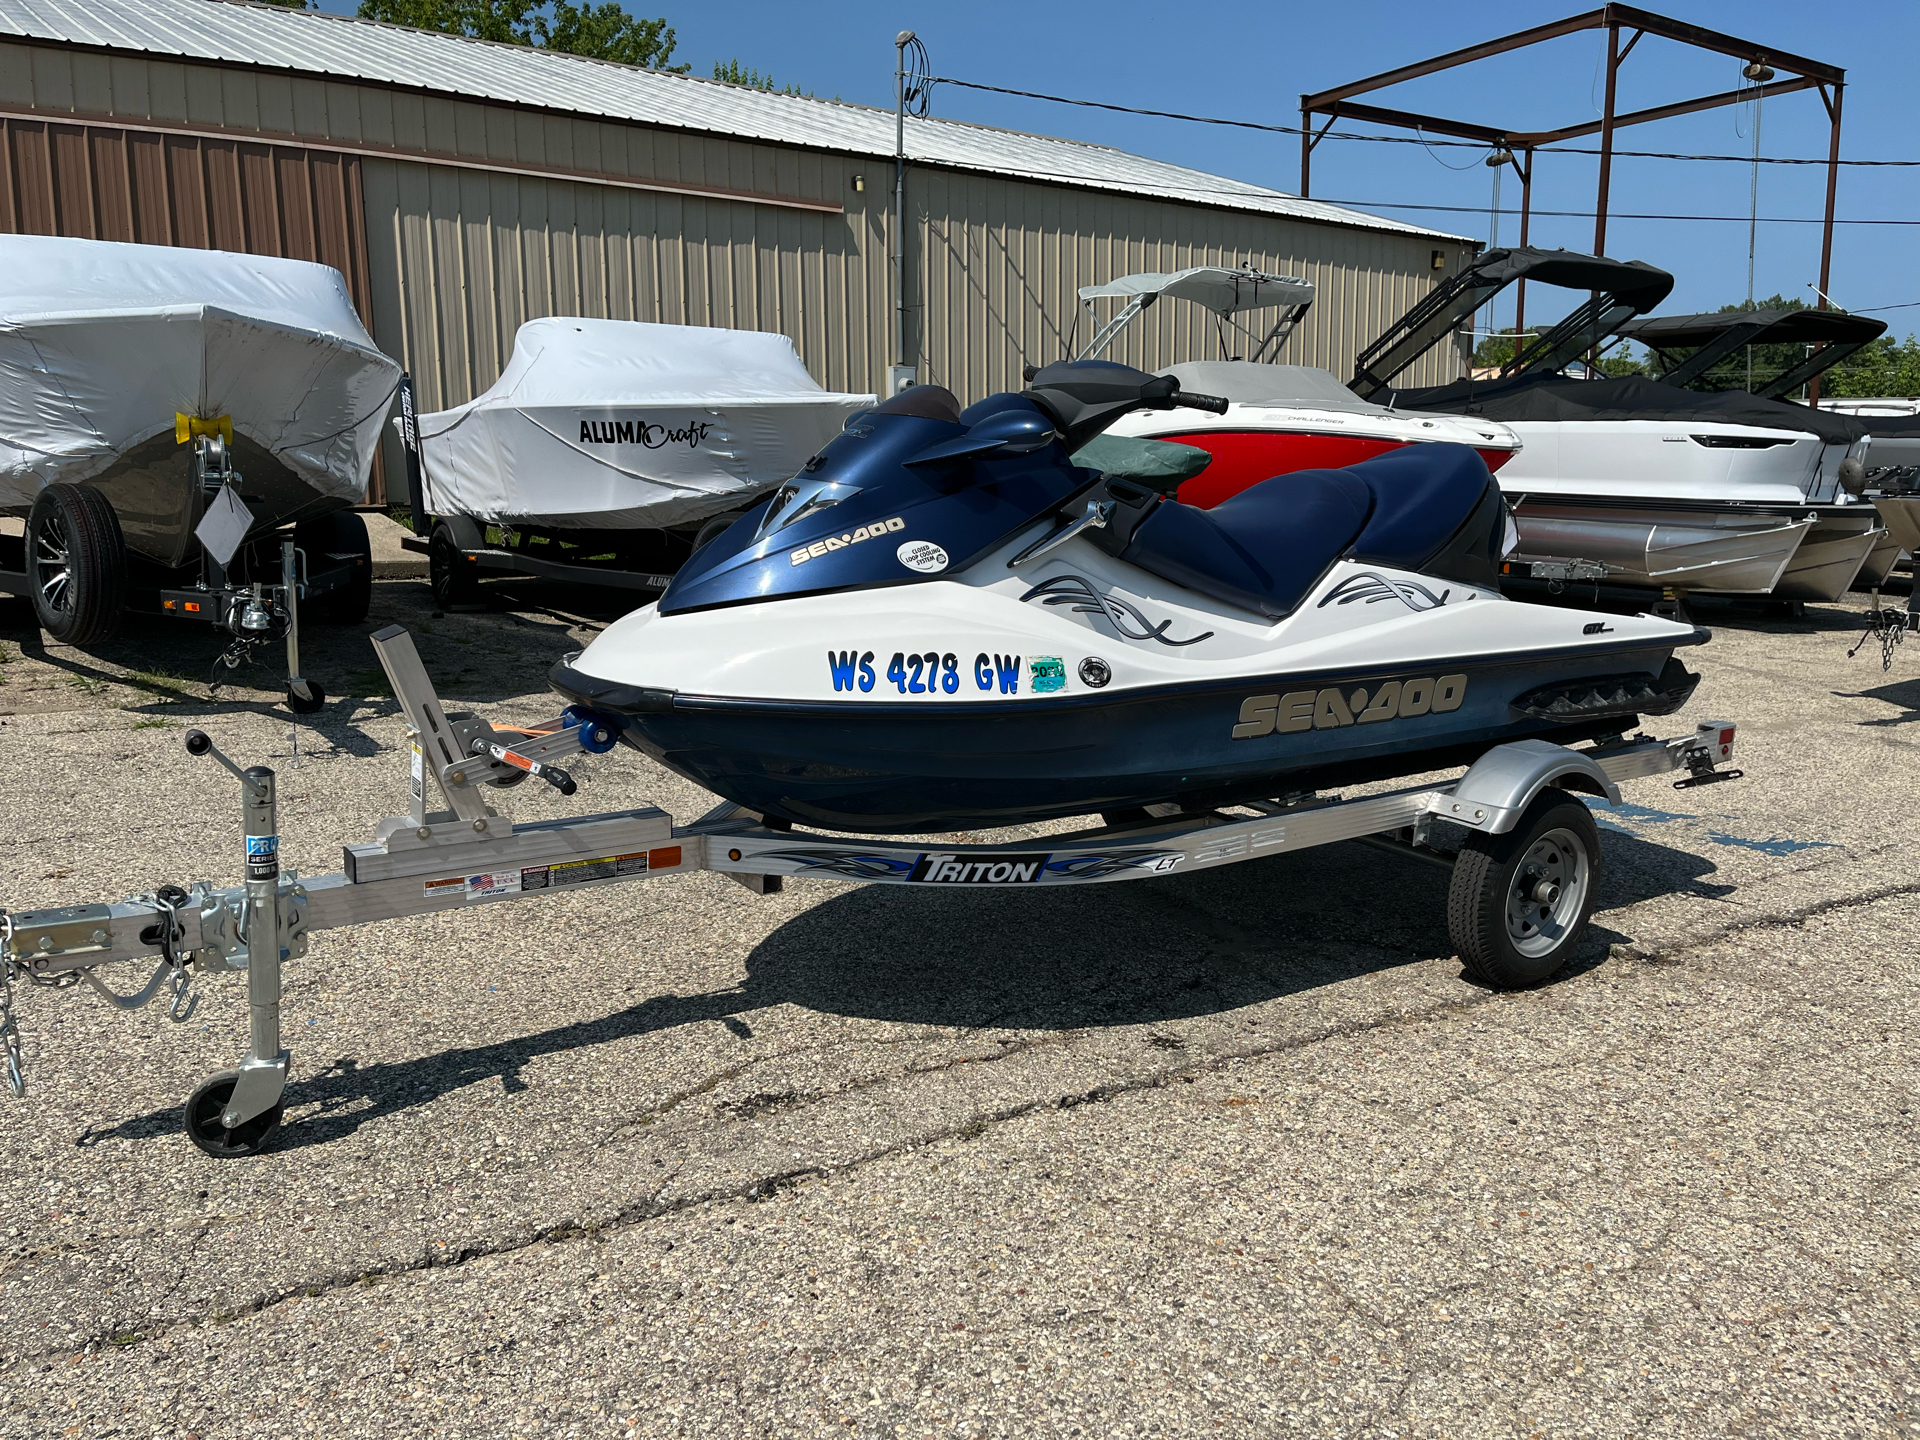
column 1003, row 670
column 840, row 862
column 1077, row 593
column 1095, row 672
column 1328, row 709
column 923, row 556
column 1049, row 675
column 937, row 869
column 643, row 432
column 1368, row 587
column 840, row 542
column 1095, row 867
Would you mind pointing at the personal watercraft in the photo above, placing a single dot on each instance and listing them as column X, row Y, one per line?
column 944, row 622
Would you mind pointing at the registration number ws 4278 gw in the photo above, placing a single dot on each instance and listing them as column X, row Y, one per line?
column 1330, row 708
column 936, row 672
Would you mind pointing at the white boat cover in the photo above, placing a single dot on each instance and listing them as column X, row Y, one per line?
column 102, row 344
column 620, row 424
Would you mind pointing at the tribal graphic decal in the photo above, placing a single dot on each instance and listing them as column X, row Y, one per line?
column 1077, row 593
column 841, row 862
column 1368, row 587
column 1098, row 867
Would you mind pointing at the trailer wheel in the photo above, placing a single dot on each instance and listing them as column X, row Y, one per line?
column 449, row 573
column 1520, row 902
column 333, row 540
column 206, row 1105
column 76, row 564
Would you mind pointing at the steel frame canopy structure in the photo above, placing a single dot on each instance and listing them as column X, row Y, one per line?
column 1802, row 73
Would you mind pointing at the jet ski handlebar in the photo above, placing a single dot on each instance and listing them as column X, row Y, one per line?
column 1212, row 404
column 1086, row 396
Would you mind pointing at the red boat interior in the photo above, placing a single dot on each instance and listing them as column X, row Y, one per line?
column 1242, row 458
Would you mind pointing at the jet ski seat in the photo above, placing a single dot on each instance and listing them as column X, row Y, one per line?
column 1429, row 508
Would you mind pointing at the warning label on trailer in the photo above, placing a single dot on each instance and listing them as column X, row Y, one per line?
column 582, row 872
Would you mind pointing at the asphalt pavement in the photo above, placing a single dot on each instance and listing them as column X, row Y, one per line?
column 1236, row 1153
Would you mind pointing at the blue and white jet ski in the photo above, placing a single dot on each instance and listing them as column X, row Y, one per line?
column 955, row 619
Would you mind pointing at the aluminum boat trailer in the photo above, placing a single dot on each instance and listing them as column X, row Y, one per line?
column 1522, row 864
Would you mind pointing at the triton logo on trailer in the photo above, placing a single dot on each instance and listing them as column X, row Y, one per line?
column 962, row 870
column 643, row 432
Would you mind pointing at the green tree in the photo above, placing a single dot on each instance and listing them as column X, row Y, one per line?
column 1495, row 352
column 603, row 31
column 731, row 73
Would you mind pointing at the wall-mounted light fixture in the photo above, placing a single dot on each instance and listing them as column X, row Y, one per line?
column 859, row 184
column 1439, row 259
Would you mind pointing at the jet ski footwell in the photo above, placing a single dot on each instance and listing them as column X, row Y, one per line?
column 1520, row 849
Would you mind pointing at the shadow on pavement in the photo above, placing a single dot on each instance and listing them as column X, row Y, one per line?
column 1073, row 958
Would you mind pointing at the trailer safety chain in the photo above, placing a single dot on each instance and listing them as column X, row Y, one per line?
column 9, row 1027
column 172, row 899
column 1889, row 627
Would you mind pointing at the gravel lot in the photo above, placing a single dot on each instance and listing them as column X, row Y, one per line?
column 1236, row 1152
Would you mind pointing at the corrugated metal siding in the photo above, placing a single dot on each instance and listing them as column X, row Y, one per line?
column 457, row 258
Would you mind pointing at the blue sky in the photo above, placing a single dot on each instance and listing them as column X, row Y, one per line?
column 1252, row 61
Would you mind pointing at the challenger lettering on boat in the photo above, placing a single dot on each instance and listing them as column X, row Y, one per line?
column 1335, row 706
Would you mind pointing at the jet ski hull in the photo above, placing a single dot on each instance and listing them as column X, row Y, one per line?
column 892, row 767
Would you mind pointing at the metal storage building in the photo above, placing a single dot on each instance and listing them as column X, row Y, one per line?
column 464, row 187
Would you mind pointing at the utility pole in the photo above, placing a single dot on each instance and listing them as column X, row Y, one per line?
column 900, row 375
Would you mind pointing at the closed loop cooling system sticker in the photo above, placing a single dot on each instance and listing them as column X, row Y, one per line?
column 922, row 556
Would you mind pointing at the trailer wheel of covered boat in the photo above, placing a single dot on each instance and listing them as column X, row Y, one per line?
column 1521, row 891
column 75, row 564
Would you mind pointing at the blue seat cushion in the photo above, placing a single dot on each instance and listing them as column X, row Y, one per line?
column 1262, row 550
column 1422, row 495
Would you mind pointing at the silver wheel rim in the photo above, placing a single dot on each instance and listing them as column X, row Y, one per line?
column 53, row 570
column 1547, row 893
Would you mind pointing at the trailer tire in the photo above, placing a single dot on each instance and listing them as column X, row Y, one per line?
column 332, row 540
column 76, row 564
column 1520, row 902
column 448, row 572
column 203, row 1111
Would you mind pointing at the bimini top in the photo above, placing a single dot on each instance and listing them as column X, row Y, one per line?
column 1547, row 396
column 1690, row 346
column 102, row 344
column 1621, row 289
column 622, row 424
column 1225, row 292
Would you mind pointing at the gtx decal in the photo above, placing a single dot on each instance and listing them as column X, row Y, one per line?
column 1331, row 708
column 841, row 542
column 1076, row 592
column 1368, row 588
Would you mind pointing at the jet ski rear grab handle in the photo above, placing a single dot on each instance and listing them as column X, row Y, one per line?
column 429, row 861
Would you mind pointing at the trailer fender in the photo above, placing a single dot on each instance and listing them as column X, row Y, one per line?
column 1491, row 796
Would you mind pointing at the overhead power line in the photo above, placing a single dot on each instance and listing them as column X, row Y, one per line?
column 1615, row 214
column 1399, row 139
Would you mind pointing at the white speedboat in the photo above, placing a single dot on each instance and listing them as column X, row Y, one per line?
column 1279, row 418
column 1640, row 483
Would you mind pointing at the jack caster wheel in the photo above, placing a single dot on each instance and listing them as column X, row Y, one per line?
column 1520, row 902
column 209, row 1102
column 307, row 704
